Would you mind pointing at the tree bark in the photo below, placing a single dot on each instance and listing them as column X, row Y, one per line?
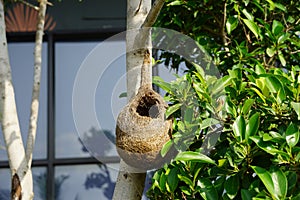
column 22, row 186
column 19, row 160
column 130, row 184
column 140, row 14
column 36, row 81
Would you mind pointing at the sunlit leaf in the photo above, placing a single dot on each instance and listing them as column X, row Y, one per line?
column 282, row 59
column 279, row 182
column 231, row 24
column 173, row 109
column 161, row 83
column 175, row 3
column 207, row 191
column 252, row 26
column 165, row 149
column 270, row 51
column 194, row 156
column 209, row 122
column 185, row 179
column 292, row 135
column 253, row 125
column 239, row 127
column 265, row 177
column 296, row 107
column 247, row 106
column 277, row 27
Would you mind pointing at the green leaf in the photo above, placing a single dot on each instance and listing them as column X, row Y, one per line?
column 175, row 3
column 277, row 27
column 268, row 146
column 162, row 182
column 280, row 182
column 273, row 84
column 259, row 94
column 292, row 135
column 207, row 191
column 231, row 24
column 239, row 127
column 280, row 6
column 270, row 51
column 161, row 83
column 220, row 85
column 265, row 177
column 248, row 15
column 187, row 180
column 194, row 156
column 230, row 107
column 246, row 194
column 296, row 106
column 188, row 115
column 231, row 186
column 253, row 125
column 252, row 26
column 165, row 149
column 173, row 109
column 247, row 106
column 186, row 190
column 209, row 122
column 123, row 94
column 282, row 59
column 173, row 180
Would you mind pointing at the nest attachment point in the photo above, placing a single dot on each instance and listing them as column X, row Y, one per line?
column 142, row 130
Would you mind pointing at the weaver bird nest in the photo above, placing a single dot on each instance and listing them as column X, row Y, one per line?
column 142, row 130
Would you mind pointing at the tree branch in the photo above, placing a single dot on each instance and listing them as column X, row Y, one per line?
column 10, row 123
column 36, row 81
column 153, row 13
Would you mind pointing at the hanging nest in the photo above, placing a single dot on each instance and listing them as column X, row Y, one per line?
column 142, row 130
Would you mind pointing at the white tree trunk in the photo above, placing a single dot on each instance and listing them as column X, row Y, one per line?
column 140, row 14
column 130, row 184
column 21, row 173
column 36, row 81
column 19, row 161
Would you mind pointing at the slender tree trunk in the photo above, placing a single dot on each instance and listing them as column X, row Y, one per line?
column 130, row 184
column 19, row 161
column 140, row 14
column 21, row 173
column 36, row 81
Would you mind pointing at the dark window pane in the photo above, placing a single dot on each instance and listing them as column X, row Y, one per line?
column 22, row 63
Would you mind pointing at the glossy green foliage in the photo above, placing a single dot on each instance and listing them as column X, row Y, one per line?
column 237, row 135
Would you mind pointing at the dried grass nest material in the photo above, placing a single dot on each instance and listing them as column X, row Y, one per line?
column 142, row 130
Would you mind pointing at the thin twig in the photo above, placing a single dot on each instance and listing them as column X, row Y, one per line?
column 29, row 4
column 36, row 85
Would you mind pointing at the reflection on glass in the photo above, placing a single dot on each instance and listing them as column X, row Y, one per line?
column 97, row 140
column 22, row 63
column 69, row 57
column 85, row 182
column 39, row 186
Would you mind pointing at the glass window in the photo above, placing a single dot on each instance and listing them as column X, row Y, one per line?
column 80, row 182
column 68, row 58
column 39, row 187
column 111, row 83
column 22, row 63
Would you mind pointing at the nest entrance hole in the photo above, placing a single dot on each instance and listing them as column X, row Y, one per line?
column 148, row 107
